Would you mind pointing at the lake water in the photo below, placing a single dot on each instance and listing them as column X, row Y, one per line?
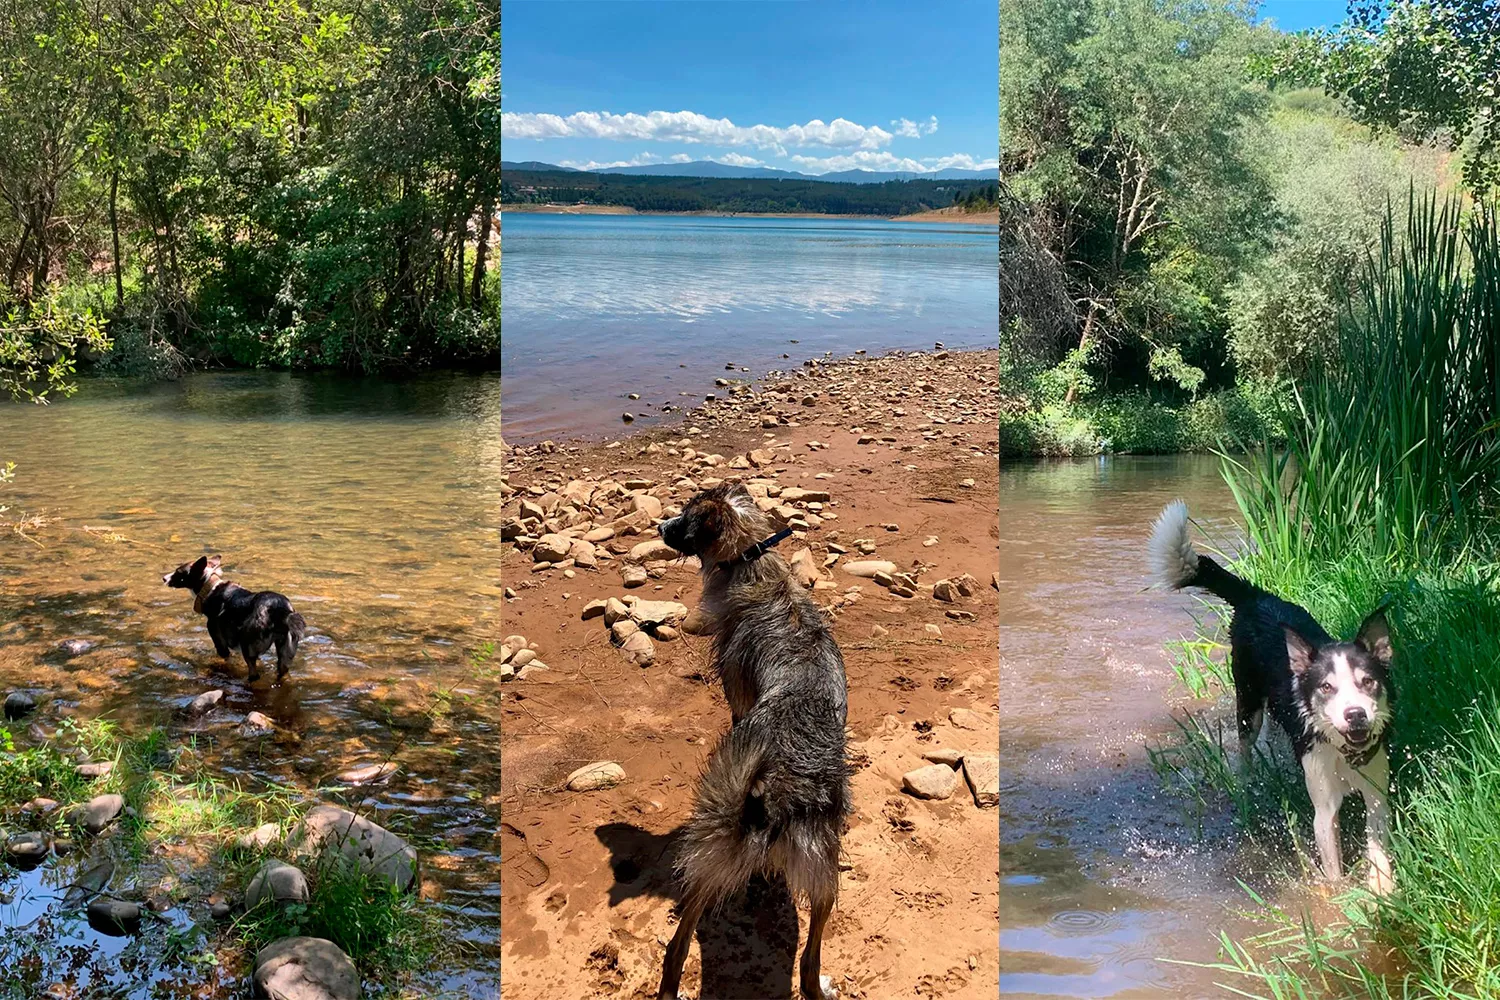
column 368, row 502
column 598, row 307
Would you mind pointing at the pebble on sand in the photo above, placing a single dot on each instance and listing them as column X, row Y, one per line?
column 935, row 781
column 592, row 777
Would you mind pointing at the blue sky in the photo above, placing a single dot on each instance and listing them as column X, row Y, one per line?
column 1299, row 15
column 812, row 86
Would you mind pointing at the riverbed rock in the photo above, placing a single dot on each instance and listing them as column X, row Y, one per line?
column 95, row 769
column 652, row 550
column 371, row 846
column 935, row 781
column 76, row 647
column 868, row 568
column 88, row 884
column 97, row 813
column 944, row 755
column 205, row 701
column 260, row 838
column 592, row 777
column 116, row 917
column 633, row 576
column 594, row 609
column 305, row 968
column 276, row 881
column 945, row 590
column 257, row 724
column 804, row 567
column 19, row 704
column 982, row 772
column 25, row 849
column 369, row 774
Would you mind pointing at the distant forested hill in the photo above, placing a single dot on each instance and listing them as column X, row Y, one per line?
column 647, row 193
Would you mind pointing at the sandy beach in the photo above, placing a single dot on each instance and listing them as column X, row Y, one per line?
column 890, row 459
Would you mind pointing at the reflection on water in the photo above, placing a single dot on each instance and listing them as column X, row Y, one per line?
column 597, row 307
column 1104, row 875
column 368, row 502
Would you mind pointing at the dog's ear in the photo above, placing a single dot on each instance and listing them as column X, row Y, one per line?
column 1299, row 652
column 214, row 561
column 1375, row 637
column 199, row 564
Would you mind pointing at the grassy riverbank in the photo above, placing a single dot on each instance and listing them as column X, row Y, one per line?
column 1385, row 493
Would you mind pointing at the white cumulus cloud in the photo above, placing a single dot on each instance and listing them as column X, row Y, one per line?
column 638, row 161
column 908, row 129
column 691, row 127
column 738, row 160
column 864, row 160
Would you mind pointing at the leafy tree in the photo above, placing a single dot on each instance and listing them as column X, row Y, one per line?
column 1128, row 130
column 1428, row 70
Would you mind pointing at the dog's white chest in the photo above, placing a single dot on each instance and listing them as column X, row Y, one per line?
column 1330, row 775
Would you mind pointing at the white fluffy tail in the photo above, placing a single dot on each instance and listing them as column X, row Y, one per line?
column 1174, row 561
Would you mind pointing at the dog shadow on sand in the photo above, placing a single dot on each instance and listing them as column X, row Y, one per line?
column 748, row 946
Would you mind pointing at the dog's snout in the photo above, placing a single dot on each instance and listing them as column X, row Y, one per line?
column 166, row 578
column 1356, row 716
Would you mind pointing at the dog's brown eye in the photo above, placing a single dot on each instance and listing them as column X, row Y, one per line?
column 1326, row 688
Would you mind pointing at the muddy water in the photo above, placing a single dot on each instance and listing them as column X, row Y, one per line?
column 369, row 503
column 1106, row 883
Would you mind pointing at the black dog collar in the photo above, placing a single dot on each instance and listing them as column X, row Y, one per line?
column 757, row 550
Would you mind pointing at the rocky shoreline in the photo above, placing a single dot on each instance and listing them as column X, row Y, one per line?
column 886, row 471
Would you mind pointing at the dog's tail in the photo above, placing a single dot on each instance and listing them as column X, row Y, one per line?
column 297, row 626
column 753, row 796
column 1176, row 564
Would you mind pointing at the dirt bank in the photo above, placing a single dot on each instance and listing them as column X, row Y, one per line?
column 905, row 448
column 953, row 215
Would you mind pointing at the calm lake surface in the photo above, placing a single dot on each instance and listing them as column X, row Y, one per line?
column 1103, row 877
column 598, row 307
column 370, row 504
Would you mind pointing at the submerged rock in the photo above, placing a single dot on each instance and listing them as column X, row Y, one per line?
column 371, row 846
column 305, row 968
column 88, row 885
column 115, row 917
column 18, row 704
column 369, row 774
column 205, row 701
column 26, row 849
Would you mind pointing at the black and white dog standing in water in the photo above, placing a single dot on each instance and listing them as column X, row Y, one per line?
column 1332, row 698
column 775, row 793
column 239, row 619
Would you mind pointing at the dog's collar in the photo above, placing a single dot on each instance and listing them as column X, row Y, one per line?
column 209, row 585
column 1359, row 758
column 757, row 550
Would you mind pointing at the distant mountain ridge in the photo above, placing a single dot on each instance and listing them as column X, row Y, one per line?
column 708, row 168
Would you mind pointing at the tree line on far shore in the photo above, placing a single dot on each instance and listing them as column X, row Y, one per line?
column 298, row 184
column 750, row 195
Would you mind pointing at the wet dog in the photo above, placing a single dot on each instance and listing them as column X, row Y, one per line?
column 1332, row 698
column 238, row 619
column 775, row 792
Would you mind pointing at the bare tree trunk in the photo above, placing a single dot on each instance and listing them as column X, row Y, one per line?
column 114, row 235
column 1083, row 343
column 19, row 258
column 482, row 253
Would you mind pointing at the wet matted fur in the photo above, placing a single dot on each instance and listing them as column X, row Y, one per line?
column 239, row 619
column 775, row 792
column 1332, row 698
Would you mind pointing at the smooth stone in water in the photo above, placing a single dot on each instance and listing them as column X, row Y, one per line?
column 369, row 845
column 205, row 701
column 369, row 774
column 305, row 968
column 27, row 848
column 76, row 647
column 18, row 703
column 89, row 884
column 97, row 813
column 115, row 917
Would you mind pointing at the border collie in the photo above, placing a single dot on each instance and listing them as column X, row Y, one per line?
column 239, row 619
column 1333, row 698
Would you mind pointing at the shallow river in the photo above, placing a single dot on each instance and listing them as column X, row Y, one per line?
column 370, row 503
column 1106, row 883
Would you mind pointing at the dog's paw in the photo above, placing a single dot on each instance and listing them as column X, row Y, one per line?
column 825, row 990
column 1380, row 880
